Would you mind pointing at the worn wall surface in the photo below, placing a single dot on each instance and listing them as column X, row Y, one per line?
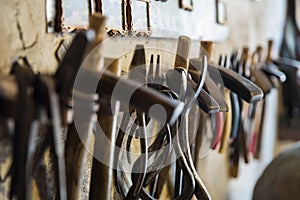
column 252, row 23
column 23, row 33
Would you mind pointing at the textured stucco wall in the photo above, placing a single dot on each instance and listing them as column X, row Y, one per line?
column 23, row 33
column 252, row 23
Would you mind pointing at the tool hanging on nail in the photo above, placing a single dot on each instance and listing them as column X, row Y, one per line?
column 79, row 142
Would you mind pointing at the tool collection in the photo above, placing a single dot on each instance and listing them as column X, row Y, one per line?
column 54, row 123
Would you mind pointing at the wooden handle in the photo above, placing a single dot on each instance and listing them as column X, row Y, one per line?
column 97, row 23
column 111, row 65
column 182, row 54
column 138, row 57
column 259, row 51
column 260, row 132
column 245, row 53
column 137, row 68
column 245, row 56
column 253, row 61
column 208, row 47
column 270, row 46
column 228, row 123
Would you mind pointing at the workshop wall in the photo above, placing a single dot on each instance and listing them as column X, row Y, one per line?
column 23, row 33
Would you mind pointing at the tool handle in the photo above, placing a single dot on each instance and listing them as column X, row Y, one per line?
column 131, row 93
column 235, row 82
column 211, row 88
column 269, row 54
column 208, row 47
column 182, row 53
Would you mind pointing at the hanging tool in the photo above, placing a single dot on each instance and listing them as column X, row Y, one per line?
column 228, row 118
column 267, row 69
column 24, row 118
column 65, row 78
column 183, row 45
column 102, row 169
column 138, row 60
column 235, row 82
